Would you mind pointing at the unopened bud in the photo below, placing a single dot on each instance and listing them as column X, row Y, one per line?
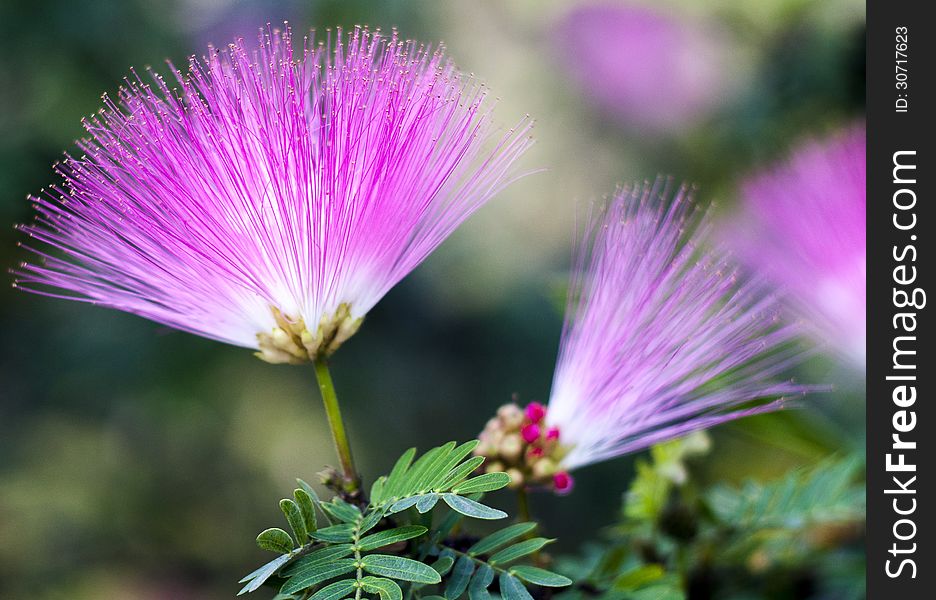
column 511, row 447
column 516, row 478
column 511, row 416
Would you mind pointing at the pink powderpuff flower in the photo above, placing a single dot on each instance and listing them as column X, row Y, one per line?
column 643, row 67
column 661, row 338
column 270, row 198
column 803, row 226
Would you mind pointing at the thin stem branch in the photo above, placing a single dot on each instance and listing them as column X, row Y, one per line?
column 523, row 504
column 352, row 481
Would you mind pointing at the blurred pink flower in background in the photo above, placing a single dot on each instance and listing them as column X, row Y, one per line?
column 803, row 226
column 643, row 67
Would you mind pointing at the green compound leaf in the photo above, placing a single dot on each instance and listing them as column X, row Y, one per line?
column 391, row 536
column 451, row 461
column 335, row 591
column 458, row 580
column 473, row 509
column 259, row 577
column 386, row 588
column 501, row 538
column 538, row 576
column 397, row 567
column 317, row 575
column 296, row 521
column 512, row 588
column 483, row 483
column 275, row 540
column 459, row 473
column 307, row 507
column 512, row 553
column 336, row 533
column 316, row 559
column 482, row 579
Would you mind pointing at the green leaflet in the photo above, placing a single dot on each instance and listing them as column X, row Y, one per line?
column 443, row 565
column 307, row 507
column 314, row 576
column 336, row 533
column 390, row 536
column 470, row 508
column 458, row 580
column 519, row 550
column 501, row 538
column 258, row 577
column 334, row 591
column 319, row 557
column 483, row 483
column 426, row 502
column 296, row 520
column 482, row 579
column 512, row 588
column 398, row 567
column 538, row 576
column 275, row 539
column 386, row 588
column 341, row 510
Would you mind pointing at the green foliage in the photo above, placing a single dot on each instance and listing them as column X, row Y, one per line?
column 392, row 543
column 731, row 542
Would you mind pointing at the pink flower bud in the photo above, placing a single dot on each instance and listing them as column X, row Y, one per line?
column 530, row 433
column 563, row 482
column 552, row 433
column 535, row 412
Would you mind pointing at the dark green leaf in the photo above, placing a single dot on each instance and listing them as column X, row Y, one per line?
column 639, row 577
column 391, row 536
column 538, row 576
column 275, row 540
column 512, row 588
column 501, row 538
column 335, row 533
column 397, row 567
column 386, row 588
column 307, row 507
column 458, row 580
column 443, row 565
column 314, row 576
column 473, row 509
column 334, row 591
column 519, row 550
column 296, row 520
column 258, row 577
column 319, row 557
column 478, row 587
column 483, row 483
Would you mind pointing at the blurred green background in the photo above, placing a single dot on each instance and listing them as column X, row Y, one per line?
column 136, row 461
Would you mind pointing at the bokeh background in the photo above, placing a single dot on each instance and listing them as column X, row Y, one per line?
column 140, row 462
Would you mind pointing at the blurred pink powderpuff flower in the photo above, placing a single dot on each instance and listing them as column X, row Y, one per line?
column 802, row 225
column 644, row 68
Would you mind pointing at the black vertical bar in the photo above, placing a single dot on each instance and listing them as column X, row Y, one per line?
column 901, row 56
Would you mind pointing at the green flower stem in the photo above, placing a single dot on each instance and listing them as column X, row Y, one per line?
column 352, row 481
column 523, row 505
